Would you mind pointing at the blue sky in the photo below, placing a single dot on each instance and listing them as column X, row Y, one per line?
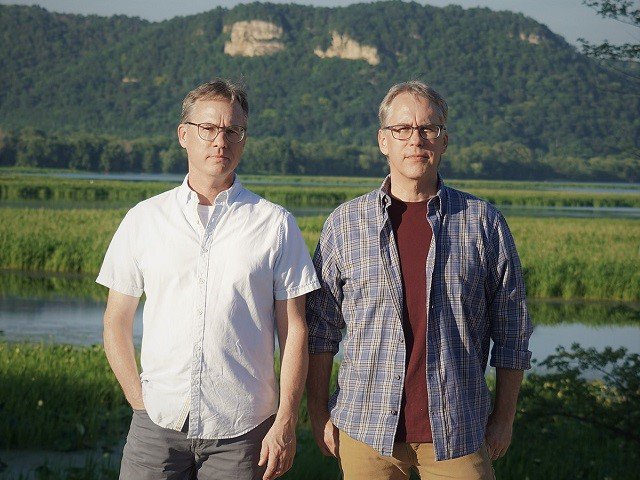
column 569, row 18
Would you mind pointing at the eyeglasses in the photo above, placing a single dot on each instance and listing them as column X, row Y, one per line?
column 208, row 132
column 427, row 132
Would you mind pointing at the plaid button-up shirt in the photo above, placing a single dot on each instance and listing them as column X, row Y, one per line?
column 475, row 293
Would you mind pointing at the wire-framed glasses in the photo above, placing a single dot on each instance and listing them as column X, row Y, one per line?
column 208, row 132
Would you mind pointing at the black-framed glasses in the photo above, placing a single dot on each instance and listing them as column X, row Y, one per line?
column 208, row 132
column 427, row 132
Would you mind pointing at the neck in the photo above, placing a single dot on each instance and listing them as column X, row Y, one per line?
column 410, row 190
column 208, row 189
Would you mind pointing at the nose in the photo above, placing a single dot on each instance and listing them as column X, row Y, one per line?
column 221, row 139
column 415, row 138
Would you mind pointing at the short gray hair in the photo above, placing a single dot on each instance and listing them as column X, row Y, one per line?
column 218, row 88
column 418, row 89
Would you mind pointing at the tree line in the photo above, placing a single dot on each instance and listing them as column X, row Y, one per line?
column 278, row 155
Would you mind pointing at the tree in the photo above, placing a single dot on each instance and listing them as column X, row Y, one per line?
column 623, row 11
column 623, row 59
column 601, row 389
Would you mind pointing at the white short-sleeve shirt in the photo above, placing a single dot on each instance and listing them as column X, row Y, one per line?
column 208, row 320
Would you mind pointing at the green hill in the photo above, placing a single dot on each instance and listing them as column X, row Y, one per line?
column 523, row 102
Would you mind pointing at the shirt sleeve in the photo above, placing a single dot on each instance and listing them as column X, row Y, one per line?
column 324, row 306
column 510, row 322
column 120, row 270
column 293, row 271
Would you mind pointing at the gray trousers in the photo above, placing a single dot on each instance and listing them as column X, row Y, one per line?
column 153, row 452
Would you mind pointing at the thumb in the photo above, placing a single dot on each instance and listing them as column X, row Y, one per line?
column 264, row 454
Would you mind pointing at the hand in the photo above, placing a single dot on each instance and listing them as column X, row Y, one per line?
column 326, row 435
column 498, row 436
column 278, row 449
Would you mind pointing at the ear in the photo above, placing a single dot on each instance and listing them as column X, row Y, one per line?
column 445, row 142
column 182, row 132
column 383, row 144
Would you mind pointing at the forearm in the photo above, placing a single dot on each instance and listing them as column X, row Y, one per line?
column 320, row 366
column 118, row 345
column 294, row 359
column 508, row 383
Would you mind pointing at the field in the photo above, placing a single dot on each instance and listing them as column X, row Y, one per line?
column 62, row 398
column 593, row 259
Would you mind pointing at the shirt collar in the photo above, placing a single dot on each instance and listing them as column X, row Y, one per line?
column 228, row 196
column 384, row 194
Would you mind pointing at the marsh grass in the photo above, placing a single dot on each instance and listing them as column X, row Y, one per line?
column 58, row 397
column 579, row 258
column 72, row 241
column 592, row 259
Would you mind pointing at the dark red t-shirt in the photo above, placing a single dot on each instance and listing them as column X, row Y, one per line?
column 413, row 235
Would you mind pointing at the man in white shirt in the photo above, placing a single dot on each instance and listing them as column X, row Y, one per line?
column 220, row 267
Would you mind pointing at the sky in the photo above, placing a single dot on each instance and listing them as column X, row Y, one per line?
column 569, row 18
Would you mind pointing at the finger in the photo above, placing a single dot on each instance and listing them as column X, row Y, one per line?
column 490, row 451
column 336, row 443
column 264, row 454
column 272, row 466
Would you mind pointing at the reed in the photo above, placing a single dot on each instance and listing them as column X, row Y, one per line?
column 592, row 259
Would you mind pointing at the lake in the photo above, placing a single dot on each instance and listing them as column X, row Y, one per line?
column 79, row 321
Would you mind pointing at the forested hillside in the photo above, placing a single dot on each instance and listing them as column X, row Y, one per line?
column 99, row 93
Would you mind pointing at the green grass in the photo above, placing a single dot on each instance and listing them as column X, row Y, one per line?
column 593, row 259
column 579, row 258
column 72, row 241
column 63, row 398
column 58, row 397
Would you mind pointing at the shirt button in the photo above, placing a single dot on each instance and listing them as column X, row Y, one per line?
column 394, row 412
column 199, row 311
column 402, row 340
column 201, row 281
column 398, row 377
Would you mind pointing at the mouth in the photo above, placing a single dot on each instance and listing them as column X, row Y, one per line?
column 418, row 157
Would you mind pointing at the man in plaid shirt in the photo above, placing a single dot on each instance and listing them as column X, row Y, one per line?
column 421, row 277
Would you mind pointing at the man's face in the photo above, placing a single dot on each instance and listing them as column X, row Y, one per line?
column 415, row 158
column 217, row 159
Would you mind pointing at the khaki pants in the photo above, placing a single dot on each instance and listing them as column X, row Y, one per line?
column 361, row 462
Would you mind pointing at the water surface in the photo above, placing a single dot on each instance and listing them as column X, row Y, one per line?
column 78, row 321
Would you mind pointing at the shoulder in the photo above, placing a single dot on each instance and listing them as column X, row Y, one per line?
column 157, row 201
column 468, row 205
column 358, row 208
column 151, row 208
column 260, row 207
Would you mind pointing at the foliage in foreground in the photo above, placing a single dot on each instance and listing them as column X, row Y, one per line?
column 610, row 403
column 58, row 397
column 567, row 425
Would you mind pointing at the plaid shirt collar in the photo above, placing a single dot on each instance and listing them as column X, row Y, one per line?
column 440, row 198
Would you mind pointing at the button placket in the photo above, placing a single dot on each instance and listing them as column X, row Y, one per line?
column 202, row 272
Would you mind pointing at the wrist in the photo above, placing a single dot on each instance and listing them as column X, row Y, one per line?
column 503, row 416
column 286, row 419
